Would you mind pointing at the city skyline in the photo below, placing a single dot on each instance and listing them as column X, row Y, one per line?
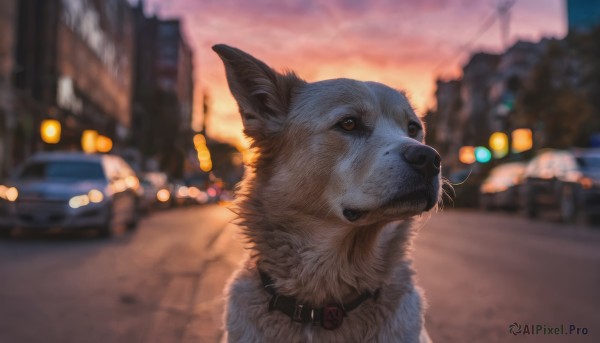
column 404, row 44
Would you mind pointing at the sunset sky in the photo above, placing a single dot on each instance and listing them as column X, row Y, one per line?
column 405, row 44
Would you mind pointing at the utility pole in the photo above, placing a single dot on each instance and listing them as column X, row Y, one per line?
column 206, row 108
column 503, row 9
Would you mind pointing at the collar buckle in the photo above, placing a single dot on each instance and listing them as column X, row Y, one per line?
column 297, row 317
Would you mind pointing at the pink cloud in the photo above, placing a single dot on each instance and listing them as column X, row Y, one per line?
column 396, row 42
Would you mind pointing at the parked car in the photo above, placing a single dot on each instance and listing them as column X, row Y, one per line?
column 567, row 181
column 588, row 161
column 70, row 190
column 163, row 189
column 501, row 188
column 147, row 195
column 182, row 193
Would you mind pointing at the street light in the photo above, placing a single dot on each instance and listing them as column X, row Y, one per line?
column 50, row 131
column 199, row 140
column 103, row 144
column 499, row 144
column 521, row 140
column 88, row 141
column 203, row 152
column 466, row 154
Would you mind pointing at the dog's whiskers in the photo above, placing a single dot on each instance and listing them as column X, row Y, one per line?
column 446, row 189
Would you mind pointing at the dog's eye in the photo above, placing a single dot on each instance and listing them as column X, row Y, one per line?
column 413, row 129
column 348, row 124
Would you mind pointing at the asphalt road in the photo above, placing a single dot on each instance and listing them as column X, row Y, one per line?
column 141, row 287
column 483, row 272
column 163, row 282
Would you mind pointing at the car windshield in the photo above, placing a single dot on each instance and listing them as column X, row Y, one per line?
column 64, row 170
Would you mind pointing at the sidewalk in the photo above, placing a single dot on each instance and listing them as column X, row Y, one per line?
column 192, row 307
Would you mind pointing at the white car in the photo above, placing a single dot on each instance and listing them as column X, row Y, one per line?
column 70, row 190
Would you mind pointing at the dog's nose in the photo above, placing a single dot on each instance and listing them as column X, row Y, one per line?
column 423, row 159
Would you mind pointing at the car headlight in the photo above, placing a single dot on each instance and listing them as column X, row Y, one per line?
column 79, row 201
column 163, row 195
column 8, row 193
column 93, row 196
column 183, row 192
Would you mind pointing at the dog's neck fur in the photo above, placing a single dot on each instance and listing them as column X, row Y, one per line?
column 317, row 263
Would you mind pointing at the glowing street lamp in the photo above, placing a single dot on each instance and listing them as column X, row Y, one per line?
column 50, row 131
column 203, row 153
column 103, row 144
column 499, row 144
column 88, row 141
column 466, row 154
column 522, row 140
column 199, row 140
column 206, row 165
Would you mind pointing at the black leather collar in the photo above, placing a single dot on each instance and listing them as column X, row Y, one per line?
column 329, row 317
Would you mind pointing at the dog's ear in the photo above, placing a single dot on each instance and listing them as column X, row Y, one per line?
column 263, row 95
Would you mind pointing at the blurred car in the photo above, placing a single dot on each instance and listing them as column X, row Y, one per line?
column 70, row 190
column 501, row 188
column 163, row 190
column 147, row 195
column 182, row 193
column 568, row 181
column 588, row 162
column 197, row 186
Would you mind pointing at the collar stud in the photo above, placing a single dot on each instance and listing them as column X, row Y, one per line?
column 332, row 317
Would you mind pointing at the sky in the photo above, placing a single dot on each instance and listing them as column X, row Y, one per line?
column 404, row 44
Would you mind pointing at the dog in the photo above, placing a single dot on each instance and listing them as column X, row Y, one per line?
column 340, row 171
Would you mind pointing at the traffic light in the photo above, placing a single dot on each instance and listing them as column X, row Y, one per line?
column 499, row 144
column 482, row 154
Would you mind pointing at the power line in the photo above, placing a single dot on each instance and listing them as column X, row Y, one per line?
column 502, row 12
column 464, row 47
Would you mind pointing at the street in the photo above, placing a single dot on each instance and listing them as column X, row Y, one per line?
column 141, row 287
column 481, row 272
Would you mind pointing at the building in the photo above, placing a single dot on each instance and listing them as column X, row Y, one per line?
column 476, row 83
column 443, row 130
column 95, row 57
column 144, row 114
column 465, row 113
column 514, row 68
column 72, row 63
column 8, row 9
column 163, row 92
column 97, row 65
column 482, row 101
column 583, row 15
column 175, row 68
